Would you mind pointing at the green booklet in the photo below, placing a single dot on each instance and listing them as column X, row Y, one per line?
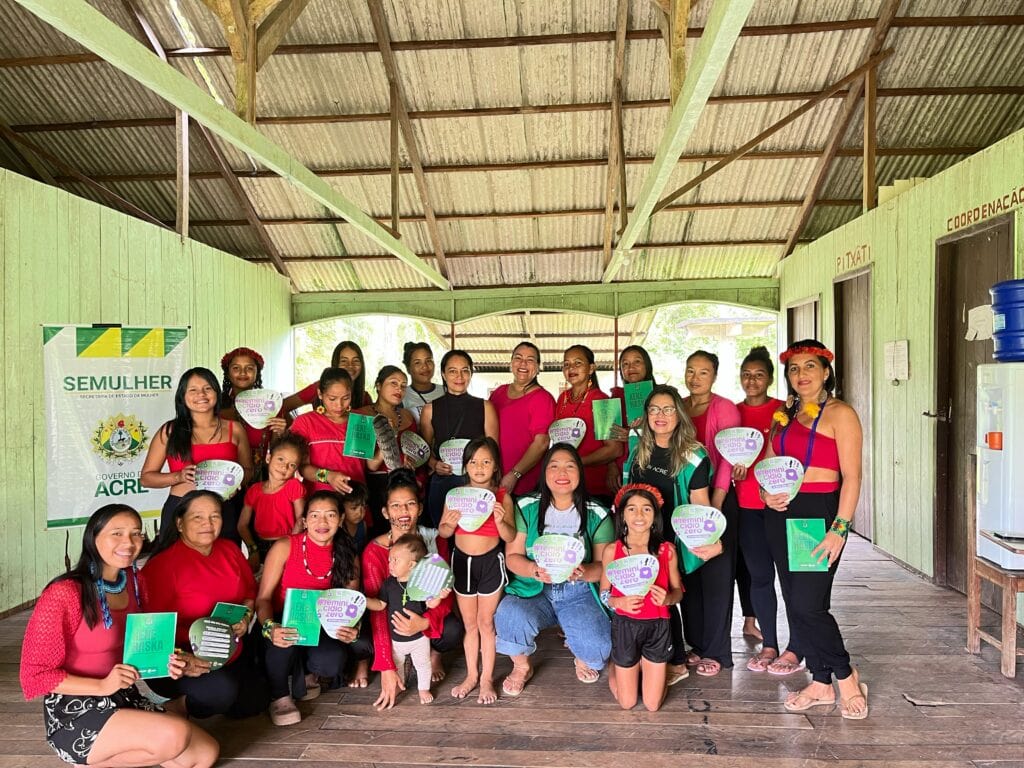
column 606, row 413
column 802, row 536
column 636, row 395
column 149, row 642
column 229, row 612
column 360, row 437
column 300, row 614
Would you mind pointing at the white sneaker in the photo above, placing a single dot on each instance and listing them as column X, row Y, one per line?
column 284, row 712
column 312, row 688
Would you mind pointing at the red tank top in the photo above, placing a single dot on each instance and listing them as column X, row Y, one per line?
column 226, row 451
column 489, row 528
column 648, row 610
column 810, row 447
column 314, row 573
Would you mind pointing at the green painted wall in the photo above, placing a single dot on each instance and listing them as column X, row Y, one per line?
column 67, row 260
column 897, row 240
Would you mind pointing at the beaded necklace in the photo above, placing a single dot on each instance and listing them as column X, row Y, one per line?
column 305, row 562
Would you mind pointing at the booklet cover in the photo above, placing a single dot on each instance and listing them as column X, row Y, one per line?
column 229, row 612
column 606, row 413
column 802, row 536
column 360, row 437
column 149, row 642
column 300, row 614
column 636, row 395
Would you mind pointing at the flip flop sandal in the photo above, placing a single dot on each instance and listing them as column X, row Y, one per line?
column 584, row 673
column 783, row 668
column 760, row 662
column 708, row 668
column 803, row 702
column 513, row 687
column 844, row 703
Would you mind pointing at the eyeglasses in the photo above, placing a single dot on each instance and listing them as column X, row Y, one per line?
column 657, row 410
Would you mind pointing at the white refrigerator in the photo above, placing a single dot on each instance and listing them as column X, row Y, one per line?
column 1000, row 442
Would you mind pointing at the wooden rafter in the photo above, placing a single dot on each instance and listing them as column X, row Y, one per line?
column 182, row 191
column 801, row 28
column 614, row 189
column 380, row 28
column 725, row 20
column 771, row 130
column 875, row 43
column 23, row 153
column 678, row 26
column 274, row 26
column 870, row 185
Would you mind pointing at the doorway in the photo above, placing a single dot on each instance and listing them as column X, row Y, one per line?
column 853, row 377
column 802, row 321
column 967, row 265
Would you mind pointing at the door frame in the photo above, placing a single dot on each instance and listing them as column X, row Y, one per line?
column 814, row 298
column 942, row 336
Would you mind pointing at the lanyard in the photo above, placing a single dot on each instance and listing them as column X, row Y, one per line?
column 810, row 440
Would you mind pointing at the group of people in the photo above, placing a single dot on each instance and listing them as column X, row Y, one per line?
column 315, row 518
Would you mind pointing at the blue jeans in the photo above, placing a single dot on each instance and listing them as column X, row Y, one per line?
column 570, row 605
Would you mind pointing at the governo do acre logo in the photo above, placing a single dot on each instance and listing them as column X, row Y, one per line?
column 119, row 438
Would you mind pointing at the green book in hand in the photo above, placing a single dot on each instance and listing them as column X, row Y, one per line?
column 606, row 413
column 149, row 642
column 636, row 395
column 802, row 536
column 229, row 612
column 360, row 438
column 300, row 614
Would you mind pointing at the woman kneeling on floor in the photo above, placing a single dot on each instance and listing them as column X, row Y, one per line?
column 72, row 654
column 532, row 602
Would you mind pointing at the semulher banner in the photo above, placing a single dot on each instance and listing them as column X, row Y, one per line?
column 108, row 389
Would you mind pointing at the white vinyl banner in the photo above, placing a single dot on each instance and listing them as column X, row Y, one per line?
column 108, row 389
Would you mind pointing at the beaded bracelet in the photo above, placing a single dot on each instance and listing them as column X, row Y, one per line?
column 268, row 628
column 606, row 596
column 321, row 475
column 840, row 527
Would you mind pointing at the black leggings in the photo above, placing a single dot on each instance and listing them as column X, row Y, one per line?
column 328, row 659
column 754, row 550
column 451, row 635
column 708, row 600
column 238, row 689
column 808, row 595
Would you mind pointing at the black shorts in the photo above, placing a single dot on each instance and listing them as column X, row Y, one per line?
column 479, row 574
column 74, row 722
column 633, row 639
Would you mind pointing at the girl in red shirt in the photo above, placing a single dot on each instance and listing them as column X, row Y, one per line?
column 276, row 503
column 641, row 636
column 348, row 356
column 478, row 564
column 72, row 654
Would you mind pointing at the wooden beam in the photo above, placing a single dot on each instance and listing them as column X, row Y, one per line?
column 870, row 138
column 81, row 22
column 27, row 156
column 725, row 20
column 678, row 21
column 380, row 29
column 615, row 159
column 181, row 196
column 455, row 44
column 276, row 25
column 772, row 129
column 876, row 40
column 395, row 177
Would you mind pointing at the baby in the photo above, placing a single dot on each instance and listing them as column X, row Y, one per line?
column 405, row 553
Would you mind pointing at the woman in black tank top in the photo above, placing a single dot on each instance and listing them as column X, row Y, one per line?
column 456, row 415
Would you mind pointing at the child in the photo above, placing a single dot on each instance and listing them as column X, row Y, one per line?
column 354, row 503
column 478, row 563
column 405, row 553
column 641, row 637
column 277, row 503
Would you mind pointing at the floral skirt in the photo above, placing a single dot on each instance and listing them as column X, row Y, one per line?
column 74, row 722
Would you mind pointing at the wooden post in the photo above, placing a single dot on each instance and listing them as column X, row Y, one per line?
column 395, row 126
column 181, row 196
column 870, row 137
column 615, row 362
column 452, row 335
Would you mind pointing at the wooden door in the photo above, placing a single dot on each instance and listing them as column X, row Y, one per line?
column 853, row 377
column 966, row 269
column 802, row 321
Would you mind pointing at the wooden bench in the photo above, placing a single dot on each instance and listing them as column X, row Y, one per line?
column 1012, row 583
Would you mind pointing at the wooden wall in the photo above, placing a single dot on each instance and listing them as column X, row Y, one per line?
column 897, row 241
column 67, row 260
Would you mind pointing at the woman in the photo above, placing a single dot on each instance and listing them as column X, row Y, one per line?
column 756, row 375
column 323, row 556
column 196, row 433
column 525, row 411
column 349, row 356
column 189, row 572
column 634, row 366
column 456, row 415
column 532, row 602
column 418, row 359
column 391, row 383
column 402, row 511
column 669, row 457
column 243, row 370
column 577, row 402
column 72, row 654
column 824, row 434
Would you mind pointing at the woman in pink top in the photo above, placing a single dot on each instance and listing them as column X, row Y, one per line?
column 525, row 411
column 72, row 655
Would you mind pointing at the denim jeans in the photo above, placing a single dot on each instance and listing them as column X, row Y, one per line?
column 570, row 605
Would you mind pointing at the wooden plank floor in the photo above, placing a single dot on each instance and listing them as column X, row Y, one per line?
column 932, row 706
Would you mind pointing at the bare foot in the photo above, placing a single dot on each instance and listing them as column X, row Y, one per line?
column 463, row 689
column 426, row 697
column 361, row 677
column 751, row 630
column 437, row 673
column 488, row 694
